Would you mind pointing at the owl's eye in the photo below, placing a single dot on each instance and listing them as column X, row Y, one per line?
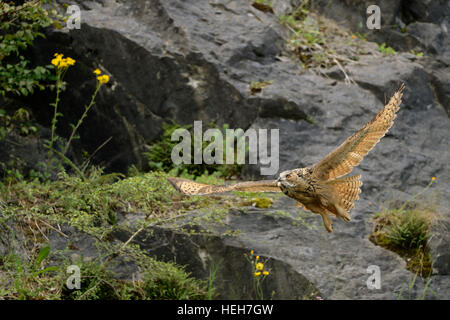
column 288, row 176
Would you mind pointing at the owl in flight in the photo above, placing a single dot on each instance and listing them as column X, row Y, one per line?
column 320, row 188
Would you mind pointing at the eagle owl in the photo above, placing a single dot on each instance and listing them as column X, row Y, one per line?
column 320, row 188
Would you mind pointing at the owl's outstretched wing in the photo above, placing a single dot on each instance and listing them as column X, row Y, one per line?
column 194, row 188
column 349, row 154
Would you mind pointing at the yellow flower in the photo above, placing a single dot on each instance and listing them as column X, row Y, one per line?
column 58, row 57
column 70, row 61
column 97, row 71
column 61, row 63
column 259, row 266
column 257, row 274
column 257, row 257
column 266, row 273
column 55, row 62
column 434, row 178
column 103, row 79
column 251, row 252
column 353, row 36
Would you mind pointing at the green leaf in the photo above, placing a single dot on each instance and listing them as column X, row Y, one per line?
column 45, row 251
column 52, row 268
column 24, row 91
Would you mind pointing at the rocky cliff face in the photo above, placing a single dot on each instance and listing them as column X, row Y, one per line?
column 195, row 59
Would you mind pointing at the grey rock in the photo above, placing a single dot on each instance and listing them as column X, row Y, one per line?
column 23, row 153
column 438, row 244
column 352, row 14
column 11, row 241
column 431, row 36
column 441, row 83
column 426, row 10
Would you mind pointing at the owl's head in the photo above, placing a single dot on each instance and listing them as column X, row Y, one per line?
column 290, row 178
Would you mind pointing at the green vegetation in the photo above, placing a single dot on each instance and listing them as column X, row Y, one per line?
column 19, row 120
column 308, row 42
column 361, row 36
column 263, row 203
column 89, row 201
column 259, row 274
column 258, row 86
column 406, row 231
column 386, row 51
column 425, row 291
column 159, row 156
column 20, row 25
column 91, row 205
column 36, row 281
column 257, row 199
column 316, row 41
column 159, row 280
column 319, row 43
column 417, row 53
column 26, row 278
column 62, row 64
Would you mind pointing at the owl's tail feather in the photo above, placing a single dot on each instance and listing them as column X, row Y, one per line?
column 347, row 189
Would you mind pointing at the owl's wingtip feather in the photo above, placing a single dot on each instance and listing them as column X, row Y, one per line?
column 173, row 182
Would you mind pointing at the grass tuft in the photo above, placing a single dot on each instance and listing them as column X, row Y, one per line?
column 406, row 231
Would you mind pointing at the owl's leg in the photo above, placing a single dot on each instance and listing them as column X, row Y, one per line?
column 342, row 213
column 318, row 208
column 301, row 205
column 327, row 221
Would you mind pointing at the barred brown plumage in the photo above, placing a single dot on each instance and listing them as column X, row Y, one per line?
column 320, row 188
column 194, row 188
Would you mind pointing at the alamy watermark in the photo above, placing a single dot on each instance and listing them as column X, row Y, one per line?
column 73, row 281
column 74, row 19
column 252, row 142
column 374, row 280
column 374, row 20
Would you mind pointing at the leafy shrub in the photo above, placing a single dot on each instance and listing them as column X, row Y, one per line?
column 159, row 157
column 35, row 281
column 20, row 25
column 19, row 120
